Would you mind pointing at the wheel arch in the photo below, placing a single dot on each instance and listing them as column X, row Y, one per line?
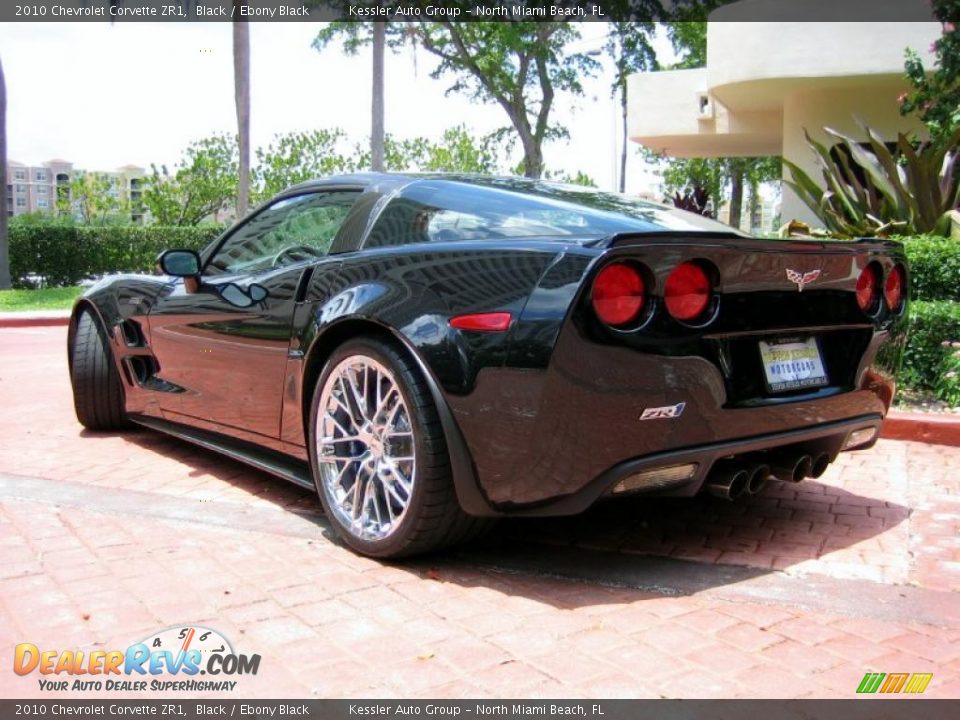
column 470, row 496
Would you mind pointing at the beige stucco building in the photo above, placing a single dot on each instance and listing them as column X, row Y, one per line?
column 765, row 82
column 38, row 188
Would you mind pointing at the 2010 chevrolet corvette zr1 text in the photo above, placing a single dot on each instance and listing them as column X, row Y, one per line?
column 431, row 351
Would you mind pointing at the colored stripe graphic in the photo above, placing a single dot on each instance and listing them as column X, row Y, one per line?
column 894, row 682
column 914, row 683
column 870, row 683
column 918, row 683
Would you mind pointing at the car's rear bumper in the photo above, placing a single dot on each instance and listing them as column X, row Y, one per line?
column 554, row 441
column 828, row 439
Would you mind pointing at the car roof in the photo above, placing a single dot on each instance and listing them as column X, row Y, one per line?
column 657, row 215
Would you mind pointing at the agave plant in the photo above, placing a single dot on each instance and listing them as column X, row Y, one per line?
column 906, row 191
column 696, row 201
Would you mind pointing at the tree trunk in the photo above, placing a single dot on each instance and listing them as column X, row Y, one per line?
column 736, row 194
column 4, row 240
column 755, row 210
column 532, row 154
column 623, row 152
column 376, row 125
column 241, row 88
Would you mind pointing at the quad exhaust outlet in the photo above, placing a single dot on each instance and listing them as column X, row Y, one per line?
column 733, row 478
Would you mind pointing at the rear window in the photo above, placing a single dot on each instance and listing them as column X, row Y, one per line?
column 448, row 211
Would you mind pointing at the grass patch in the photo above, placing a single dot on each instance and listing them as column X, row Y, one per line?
column 59, row 298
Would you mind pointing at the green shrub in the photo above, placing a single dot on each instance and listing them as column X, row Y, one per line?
column 934, row 267
column 931, row 323
column 64, row 254
column 948, row 384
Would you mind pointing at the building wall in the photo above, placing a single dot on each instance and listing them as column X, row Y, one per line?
column 765, row 82
column 36, row 188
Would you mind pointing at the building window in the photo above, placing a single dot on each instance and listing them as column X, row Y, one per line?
column 21, row 202
column 41, row 176
column 21, row 188
column 19, row 174
column 42, row 203
column 42, row 189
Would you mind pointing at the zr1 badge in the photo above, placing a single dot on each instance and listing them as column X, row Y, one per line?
column 667, row 411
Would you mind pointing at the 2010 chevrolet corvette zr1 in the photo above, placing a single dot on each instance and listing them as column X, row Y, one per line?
column 430, row 351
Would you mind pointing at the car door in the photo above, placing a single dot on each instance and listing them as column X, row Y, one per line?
column 222, row 348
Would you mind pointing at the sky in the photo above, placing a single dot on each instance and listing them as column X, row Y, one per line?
column 103, row 96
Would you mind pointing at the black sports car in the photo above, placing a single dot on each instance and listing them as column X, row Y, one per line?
column 431, row 351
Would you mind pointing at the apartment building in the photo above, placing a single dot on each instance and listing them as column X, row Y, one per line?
column 46, row 187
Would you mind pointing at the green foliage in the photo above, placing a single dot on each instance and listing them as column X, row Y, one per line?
column 935, row 97
column 689, row 40
column 519, row 66
column 581, row 178
column 934, row 267
column 931, row 323
column 60, row 298
column 204, row 183
column 298, row 156
column 909, row 191
column 95, row 199
column 64, row 253
column 948, row 384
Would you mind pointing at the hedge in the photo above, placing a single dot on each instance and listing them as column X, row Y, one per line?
column 63, row 254
column 931, row 323
column 934, row 267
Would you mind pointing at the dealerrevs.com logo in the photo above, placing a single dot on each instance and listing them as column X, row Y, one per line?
column 170, row 660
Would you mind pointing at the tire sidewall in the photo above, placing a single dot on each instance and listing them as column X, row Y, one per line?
column 403, row 374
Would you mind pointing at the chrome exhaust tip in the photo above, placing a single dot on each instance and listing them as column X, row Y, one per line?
column 758, row 479
column 793, row 470
column 729, row 483
column 820, row 464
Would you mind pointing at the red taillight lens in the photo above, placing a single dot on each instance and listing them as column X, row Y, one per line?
column 893, row 288
column 687, row 292
column 618, row 293
column 868, row 285
column 482, row 322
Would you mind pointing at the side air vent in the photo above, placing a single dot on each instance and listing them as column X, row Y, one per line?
column 132, row 333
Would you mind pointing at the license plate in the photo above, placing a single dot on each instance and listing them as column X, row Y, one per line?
column 792, row 363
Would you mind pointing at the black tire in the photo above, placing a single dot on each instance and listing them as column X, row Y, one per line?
column 432, row 519
column 97, row 391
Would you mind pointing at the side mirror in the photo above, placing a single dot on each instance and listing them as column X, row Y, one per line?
column 179, row 263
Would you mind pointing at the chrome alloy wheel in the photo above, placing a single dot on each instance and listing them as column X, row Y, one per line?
column 366, row 453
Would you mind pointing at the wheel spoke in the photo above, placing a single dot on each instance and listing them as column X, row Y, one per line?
column 330, row 417
column 356, row 501
column 369, row 485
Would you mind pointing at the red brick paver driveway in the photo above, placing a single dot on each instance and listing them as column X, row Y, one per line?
column 106, row 539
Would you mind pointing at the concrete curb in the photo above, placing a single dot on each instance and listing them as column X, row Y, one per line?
column 920, row 427
column 50, row 318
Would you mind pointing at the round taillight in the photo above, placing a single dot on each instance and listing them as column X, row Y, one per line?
column 868, row 286
column 893, row 287
column 687, row 292
column 618, row 293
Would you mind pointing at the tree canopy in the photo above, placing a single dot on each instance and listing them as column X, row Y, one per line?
column 935, row 97
column 519, row 66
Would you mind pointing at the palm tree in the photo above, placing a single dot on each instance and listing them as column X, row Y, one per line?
column 376, row 127
column 4, row 243
column 241, row 89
